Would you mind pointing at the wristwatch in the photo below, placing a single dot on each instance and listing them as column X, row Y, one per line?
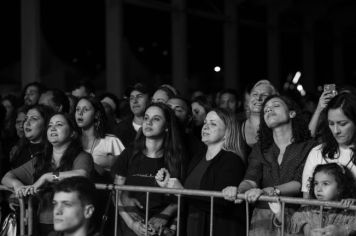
column 55, row 176
column 276, row 191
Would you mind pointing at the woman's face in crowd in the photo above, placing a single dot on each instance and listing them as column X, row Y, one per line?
column 9, row 108
column 342, row 128
column 84, row 114
column 160, row 96
column 179, row 107
column 58, row 130
column 199, row 114
column 213, row 130
column 138, row 102
column 228, row 101
column 154, row 122
column 276, row 113
column 325, row 187
column 258, row 96
column 20, row 119
column 32, row 94
column 34, row 125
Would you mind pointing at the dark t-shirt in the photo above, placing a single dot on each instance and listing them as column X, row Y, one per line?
column 141, row 170
column 126, row 132
column 27, row 152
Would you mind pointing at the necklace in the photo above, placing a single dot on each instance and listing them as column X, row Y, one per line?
column 32, row 154
column 92, row 146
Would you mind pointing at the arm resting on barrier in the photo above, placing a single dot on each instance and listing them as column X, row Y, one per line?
column 10, row 180
column 246, row 185
column 135, row 224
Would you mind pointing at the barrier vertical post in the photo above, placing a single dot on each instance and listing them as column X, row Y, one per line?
column 22, row 216
column 116, row 210
column 211, row 215
column 283, row 213
column 247, row 218
column 30, row 216
column 178, row 214
column 321, row 217
column 147, row 204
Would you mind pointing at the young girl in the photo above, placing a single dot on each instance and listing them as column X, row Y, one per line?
column 91, row 119
column 330, row 182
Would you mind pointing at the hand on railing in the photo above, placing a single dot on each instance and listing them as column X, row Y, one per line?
column 253, row 194
column 162, row 177
column 158, row 222
column 139, row 228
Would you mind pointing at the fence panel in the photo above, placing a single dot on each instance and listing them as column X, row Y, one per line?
column 179, row 193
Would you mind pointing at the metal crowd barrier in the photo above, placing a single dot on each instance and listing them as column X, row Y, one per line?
column 213, row 194
column 179, row 193
column 22, row 213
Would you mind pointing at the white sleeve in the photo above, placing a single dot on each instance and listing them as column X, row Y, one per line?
column 115, row 146
column 312, row 161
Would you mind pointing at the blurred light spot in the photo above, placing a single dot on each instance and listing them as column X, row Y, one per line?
column 141, row 49
column 296, row 77
column 217, row 68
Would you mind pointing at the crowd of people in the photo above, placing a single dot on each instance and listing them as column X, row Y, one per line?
column 55, row 145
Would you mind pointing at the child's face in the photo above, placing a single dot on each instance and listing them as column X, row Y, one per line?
column 325, row 187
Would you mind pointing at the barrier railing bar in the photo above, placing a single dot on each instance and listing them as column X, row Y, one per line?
column 283, row 213
column 203, row 193
column 178, row 214
column 30, row 216
column 22, row 216
column 321, row 216
column 147, row 205
column 116, row 210
column 247, row 217
column 211, row 215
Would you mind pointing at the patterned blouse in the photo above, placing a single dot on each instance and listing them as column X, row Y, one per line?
column 264, row 170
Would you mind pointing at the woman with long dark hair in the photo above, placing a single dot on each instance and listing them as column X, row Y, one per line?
column 63, row 157
column 104, row 148
column 276, row 163
column 337, row 136
column 157, row 146
column 32, row 143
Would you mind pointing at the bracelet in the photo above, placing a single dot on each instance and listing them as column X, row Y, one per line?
column 55, row 176
column 276, row 191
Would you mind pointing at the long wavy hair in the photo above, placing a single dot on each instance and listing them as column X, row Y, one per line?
column 343, row 177
column 232, row 141
column 347, row 103
column 44, row 163
column 173, row 149
column 99, row 116
column 300, row 129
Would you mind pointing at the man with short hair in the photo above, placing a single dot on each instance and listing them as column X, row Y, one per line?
column 56, row 99
column 32, row 93
column 73, row 207
column 139, row 99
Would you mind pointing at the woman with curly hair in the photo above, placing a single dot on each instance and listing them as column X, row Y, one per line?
column 337, row 136
column 34, row 135
column 91, row 119
column 276, row 163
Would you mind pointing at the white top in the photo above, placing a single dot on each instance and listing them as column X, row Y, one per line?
column 106, row 150
column 315, row 158
column 136, row 126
